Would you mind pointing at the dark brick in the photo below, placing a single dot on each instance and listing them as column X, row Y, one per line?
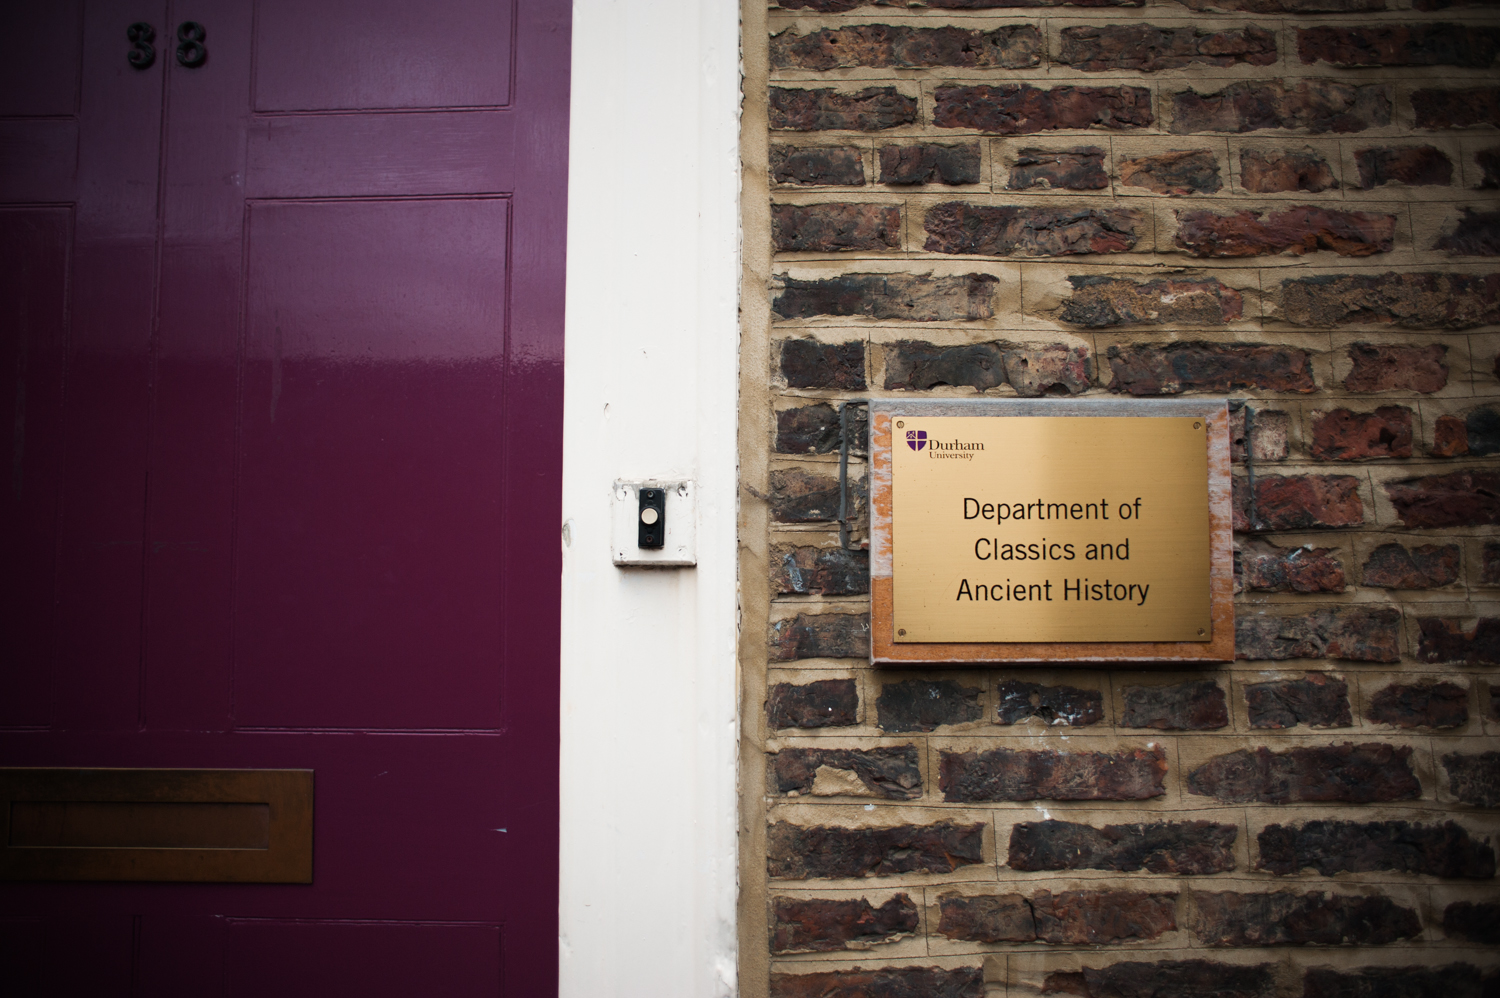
column 1456, row 980
column 798, row 496
column 1489, row 569
column 1274, row 172
column 1021, row 109
column 810, row 364
column 1476, row 234
column 1474, row 779
column 818, row 165
column 1146, row 48
column 885, row 46
column 1303, row 229
column 824, row 703
column 1269, row 433
column 1471, row 46
column 1354, row 634
column 887, row 771
column 1227, row 918
column 815, row 429
column 1307, row 502
column 1466, row 107
column 820, row 635
column 1289, row 6
column 919, row 365
column 1080, row 168
column 1473, row 921
column 912, row 297
column 1046, row 774
column 1267, row 568
column 1088, row 918
column 1192, row 706
column 1388, row 367
column 1482, row 431
column 1427, row 566
column 1099, row 301
column 1416, row 166
column 1047, row 369
column 812, row 571
column 1318, row 700
column 1488, row 161
column 1429, row 705
column 1348, row 773
column 833, row 228
column 886, row 982
column 869, row 110
column 927, row 163
column 1191, row 171
column 1450, row 438
column 819, row 925
column 1344, row 435
column 1318, row 106
column 1192, row 366
column 1181, row 847
column 1459, row 499
column 987, row 918
column 800, row 852
column 1413, row 301
column 1066, row 705
column 992, row 4
column 833, row 6
column 960, row 227
column 1169, row 979
column 1331, row 847
column 923, row 704
column 1448, row 642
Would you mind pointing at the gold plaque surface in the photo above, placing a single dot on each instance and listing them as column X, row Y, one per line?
column 1050, row 529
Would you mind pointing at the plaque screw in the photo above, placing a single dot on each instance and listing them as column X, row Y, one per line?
column 1198, row 426
column 900, row 424
column 902, row 632
column 1200, row 630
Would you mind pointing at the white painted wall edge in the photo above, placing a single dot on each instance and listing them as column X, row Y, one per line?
column 649, row 684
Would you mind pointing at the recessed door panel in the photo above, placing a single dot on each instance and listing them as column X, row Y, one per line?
column 38, row 157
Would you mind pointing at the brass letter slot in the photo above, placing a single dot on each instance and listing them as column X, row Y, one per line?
column 205, row 825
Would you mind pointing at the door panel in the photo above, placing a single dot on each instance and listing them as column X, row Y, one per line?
column 39, row 74
column 37, row 159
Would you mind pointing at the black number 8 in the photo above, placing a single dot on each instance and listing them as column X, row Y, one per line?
column 140, row 35
column 191, row 51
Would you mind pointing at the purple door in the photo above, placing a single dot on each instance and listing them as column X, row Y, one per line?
column 281, row 351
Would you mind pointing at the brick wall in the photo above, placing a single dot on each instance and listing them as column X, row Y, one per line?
column 1290, row 202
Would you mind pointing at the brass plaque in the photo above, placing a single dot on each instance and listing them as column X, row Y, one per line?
column 1050, row 529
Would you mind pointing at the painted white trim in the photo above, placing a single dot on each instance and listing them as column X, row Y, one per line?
column 649, row 723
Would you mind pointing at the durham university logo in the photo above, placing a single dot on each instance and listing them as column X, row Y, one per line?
column 916, row 439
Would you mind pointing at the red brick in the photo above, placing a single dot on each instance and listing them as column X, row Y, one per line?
column 1415, row 166
column 1269, row 432
column 810, row 364
column 1018, row 701
column 924, row 704
column 1180, row 847
column 1080, row 168
column 891, row 772
column 1277, row 171
column 869, row 110
column 1227, row 918
column 926, row 163
column 1415, row 301
column 1455, row 980
column 1305, row 502
column 1344, row 435
column 799, row 852
column 960, row 227
column 1459, row 499
column 818, row 925
column 1477, row 233
column 1450, row 642
column 1173, row 368
column 1450, row 438
column 1397, row 367
column 1193, row 706
column 1047, row 369
column 1303, row 229
column 987, row 918
column 1146, row 48
column 884, row 46
column 823, row 703
column 820, row 635
column 814, row 571
column 1465, row 107
column 1190, row 171
column 1427, row 566
column 1475, row 922
column 1420, row 705
column 1318, row 106
column 1355, row 634
column 1166, row 979
column 799, row 496
column 834, row 227
column 1267, row 568
column 1474, row 779
column 1351, row 774
column 1026, row 774
column 886, row 982
column 1471, row 46
column 1333, row 847
column 1090, row 918
column 817, row 429
column 1021, row 109
column 1289, row 6
column 1099, row 301
column 1482, row 431
column 818, row 165
column 1317, row 700
column 911, row 297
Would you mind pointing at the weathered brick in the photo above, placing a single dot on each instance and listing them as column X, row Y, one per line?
column 1191, row 706
column 820, row 635
column 1279, row 918
column 1317, row 700
column 1448, row 642
column 1189, row 171
column 869, row 110
column 1288, row 6
column 885, row 46
column 1450, row 438
column 960, row 227
column 1474, row 779
column 1352, row 774
column 1413, row 705
column 1165, row 979
column 886, row 982
column 987, row 918
column 1331, row 847
column 1305, row 502
column 1080, row 168
column 1100, row 301
column 1427, row 566
column 1456, row 980
column 1317, row 106
column 813, row 571
column 1459, row 499
column 1413, row 301
column 820, row 925
column 1269, row 432
column 1088, row 918
column 927, row 162
column 912, row 297
column 1354, row 634
column 914, row 364
column 1181, row 847
column 1066, row 705
column 1489, row 568
column 801, row 852
column 810, row 364
column 1345, row 435
column 1386, row 367
column 823, row 703
column 1464, row 107
column 832, row 227
column 1473, row 921
column 1046, row 774
column 1476, row 234
column 1416, row 166
column 1471, row 46
column 1268, row 568
column 1193, row 366
column 799, row 496
column 816, row 429
column 1303, row 229
column 817, row 166
column 992, row 4
column 1488, row 161
column 1146, row 48
column 891, row 772
column 923, row 704
column 1047, row 369
column 1277, row 171
column 1021, row 109
column 1482, row 431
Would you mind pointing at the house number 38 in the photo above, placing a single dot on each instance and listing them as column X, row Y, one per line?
column 191, row 52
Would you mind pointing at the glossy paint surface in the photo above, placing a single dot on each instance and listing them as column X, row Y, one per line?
column 285, row 447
